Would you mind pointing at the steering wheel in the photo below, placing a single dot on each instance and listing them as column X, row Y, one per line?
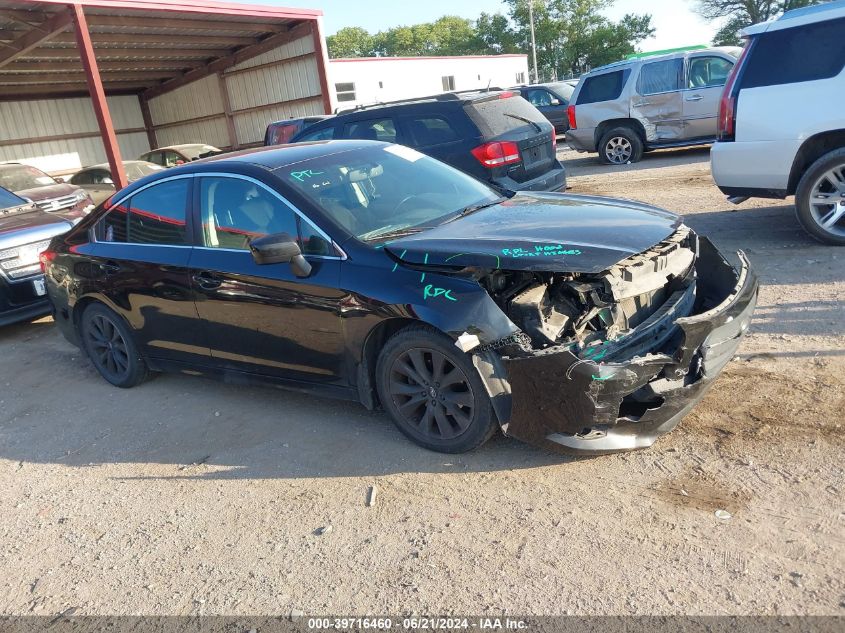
column 404, row 201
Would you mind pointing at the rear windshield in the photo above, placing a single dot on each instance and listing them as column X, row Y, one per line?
column 495, row 117
column 19, row 177
column 196, row 151
column 604, row 87
column 805, row 53
column 9, row 200
column 563, row 89
column 136, row 171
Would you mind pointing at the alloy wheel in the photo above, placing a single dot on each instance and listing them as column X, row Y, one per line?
column 827, row 201
column 109, row 350
column 433, row 396
column 618, row 150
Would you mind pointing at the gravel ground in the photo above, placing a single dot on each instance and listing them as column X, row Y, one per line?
column 187, row 496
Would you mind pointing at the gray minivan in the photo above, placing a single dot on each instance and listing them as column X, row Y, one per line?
column 651, row 102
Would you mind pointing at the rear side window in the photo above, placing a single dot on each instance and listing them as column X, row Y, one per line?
column 371, row 130
column 605, row 87
column 427, row 131
column 282, row 133
column 496, row 116
column 325, row 134
column 806, row 53
column 156, row 215
column 663, row 76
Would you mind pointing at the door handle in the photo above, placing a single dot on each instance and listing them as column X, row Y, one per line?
column 207, row 280
column 642, row 103
column 694, row 98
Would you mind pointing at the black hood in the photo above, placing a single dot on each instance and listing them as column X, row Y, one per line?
column 542, row 232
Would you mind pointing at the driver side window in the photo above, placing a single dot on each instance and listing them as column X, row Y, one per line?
column 235, row 211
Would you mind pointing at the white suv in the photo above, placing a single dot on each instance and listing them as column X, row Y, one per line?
column 782, row 118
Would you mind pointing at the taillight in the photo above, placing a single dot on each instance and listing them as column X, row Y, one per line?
column 570, row 114
column 726, row 125
column 554, row 140
column 45, row 259
column 507, row 94
column 497, row 153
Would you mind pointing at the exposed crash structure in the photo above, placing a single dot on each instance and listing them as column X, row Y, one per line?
column 607, row 357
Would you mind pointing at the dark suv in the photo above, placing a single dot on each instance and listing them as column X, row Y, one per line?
column 498, row 137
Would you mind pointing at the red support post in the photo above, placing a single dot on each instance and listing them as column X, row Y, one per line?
column 98, row 96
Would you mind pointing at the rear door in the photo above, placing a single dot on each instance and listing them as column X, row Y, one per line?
column 439, row 136
column 552, row 107
column 506, row 117
column 705, row 78
column 143, row 246
column 657, row 99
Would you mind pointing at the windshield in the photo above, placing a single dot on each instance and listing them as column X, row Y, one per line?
column 377, row 191
column 9, row 200
column 136, row 171
column 19, row 177
column 563, row 89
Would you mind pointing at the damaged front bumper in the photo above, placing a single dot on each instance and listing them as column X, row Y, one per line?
column 627, row 393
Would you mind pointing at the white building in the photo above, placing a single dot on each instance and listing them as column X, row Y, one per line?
column 367, row 80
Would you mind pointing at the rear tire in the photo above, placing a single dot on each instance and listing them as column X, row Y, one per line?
column 108, row 342
column 620, row 146
column 433, row 392
column 820, row 199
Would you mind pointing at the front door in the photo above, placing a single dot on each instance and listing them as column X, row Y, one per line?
column 261, row 318
column 142, row 249
column 552, row 107
column 657, row 103
column 705, row 79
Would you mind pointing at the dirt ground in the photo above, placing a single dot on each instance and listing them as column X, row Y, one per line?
column 187, row 496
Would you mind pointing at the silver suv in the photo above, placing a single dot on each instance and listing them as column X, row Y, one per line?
column 649, row 102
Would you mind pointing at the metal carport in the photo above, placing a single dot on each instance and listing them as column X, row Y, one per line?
column 200, row 68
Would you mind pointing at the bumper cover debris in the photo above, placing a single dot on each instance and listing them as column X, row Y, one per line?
column 593, row 403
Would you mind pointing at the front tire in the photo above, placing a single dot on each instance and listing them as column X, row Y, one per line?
column 620, row 146
column 433, row 392
column 820, row 199
column 108, row 342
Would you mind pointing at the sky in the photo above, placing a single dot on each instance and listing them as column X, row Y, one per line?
column 675, row 22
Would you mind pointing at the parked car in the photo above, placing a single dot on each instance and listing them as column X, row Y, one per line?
column 552, row 99
column 45, row 191
column 372, row 272
column 281, row 132
column 25, row 231
column 496, row 136
column 637, row 105
column 782, row 120
column 97, row 180
column 176, row 155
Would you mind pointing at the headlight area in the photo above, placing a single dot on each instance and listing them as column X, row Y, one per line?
column 625, row 392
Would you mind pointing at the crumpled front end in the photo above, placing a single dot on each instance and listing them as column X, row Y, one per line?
column 621, row 389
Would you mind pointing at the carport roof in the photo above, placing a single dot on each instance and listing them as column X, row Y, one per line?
column 141, row 46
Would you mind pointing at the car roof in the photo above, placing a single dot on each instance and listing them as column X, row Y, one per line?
column 658, row 57
column 181, row 146
column 799, row 17
column 106, row 165
column 458, row 98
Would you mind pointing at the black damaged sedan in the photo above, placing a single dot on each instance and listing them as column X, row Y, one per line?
column 371, row 272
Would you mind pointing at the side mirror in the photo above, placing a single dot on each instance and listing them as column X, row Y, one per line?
column 280, row 248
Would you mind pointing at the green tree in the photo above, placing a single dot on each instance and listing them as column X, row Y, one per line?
column 743, row 13
column 351, row 41
column 496, row 35
column 573, row 36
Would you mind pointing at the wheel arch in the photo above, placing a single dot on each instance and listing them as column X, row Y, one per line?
column 604, row 126
column 373, row 343
column 810, row 151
